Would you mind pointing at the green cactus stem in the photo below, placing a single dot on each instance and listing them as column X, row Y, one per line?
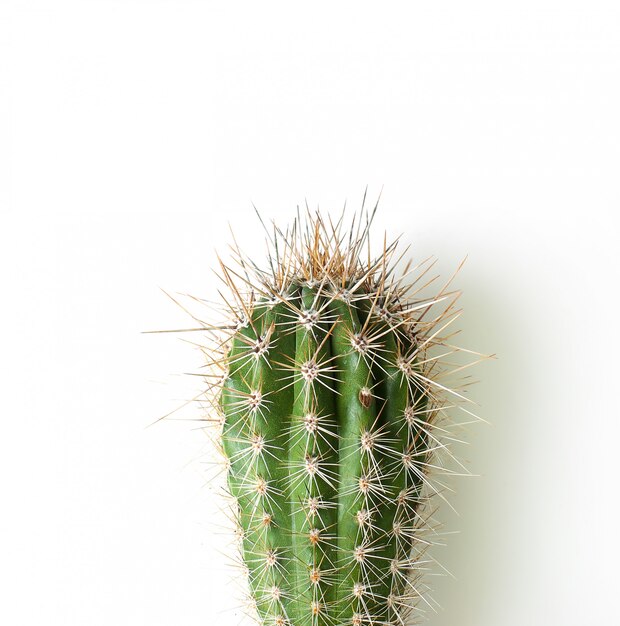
column 331, row 385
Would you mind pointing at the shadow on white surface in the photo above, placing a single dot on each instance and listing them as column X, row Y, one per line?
column 477, row 553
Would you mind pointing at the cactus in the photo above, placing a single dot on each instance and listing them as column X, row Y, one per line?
column 329, row 386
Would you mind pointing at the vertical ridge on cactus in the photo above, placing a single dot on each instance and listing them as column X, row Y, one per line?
column 330, row 401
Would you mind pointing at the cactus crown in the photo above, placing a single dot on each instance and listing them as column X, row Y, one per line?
column 329, row 388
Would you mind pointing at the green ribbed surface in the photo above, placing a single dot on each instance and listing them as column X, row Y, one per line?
column 327, row 458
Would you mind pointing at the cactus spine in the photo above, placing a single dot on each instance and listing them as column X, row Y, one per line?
column 327, row 398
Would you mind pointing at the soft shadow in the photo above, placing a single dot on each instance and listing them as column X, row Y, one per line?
column 488, row 325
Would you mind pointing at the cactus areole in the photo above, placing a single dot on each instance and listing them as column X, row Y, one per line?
column 327, row 398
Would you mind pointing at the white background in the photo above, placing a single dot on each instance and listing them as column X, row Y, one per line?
column 132, row 132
